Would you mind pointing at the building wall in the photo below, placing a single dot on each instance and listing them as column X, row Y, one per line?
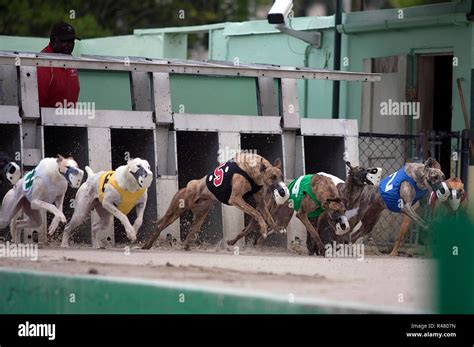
column 433, row 28
column 454, row 38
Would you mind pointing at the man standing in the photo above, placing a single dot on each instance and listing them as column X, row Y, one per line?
column 58, row 87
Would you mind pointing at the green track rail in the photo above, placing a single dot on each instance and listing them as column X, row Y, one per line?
column 28, row 292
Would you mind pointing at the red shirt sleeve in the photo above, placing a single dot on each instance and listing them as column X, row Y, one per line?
column 44, row 81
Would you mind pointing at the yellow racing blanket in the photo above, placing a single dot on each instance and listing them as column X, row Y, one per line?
column 128, row 200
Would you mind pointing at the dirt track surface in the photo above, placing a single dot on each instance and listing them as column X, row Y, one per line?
column 376, row 280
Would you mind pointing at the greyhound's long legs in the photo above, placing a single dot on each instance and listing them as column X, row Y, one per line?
column 263, row 206
column 407, row 210
column 106, row 219
column 10, row 207
column 303, row 217
column 403, row 230
column 174, row 212
column 239, row 202
column 199, row 216
column 34, row 219
column 248, row 228
column 79, row 216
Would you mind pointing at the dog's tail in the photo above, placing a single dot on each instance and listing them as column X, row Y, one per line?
column 89, row 171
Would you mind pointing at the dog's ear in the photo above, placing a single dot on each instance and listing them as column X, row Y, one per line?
column 277, row 163
column 262, row 166
column 59, row 158
column 432, row 163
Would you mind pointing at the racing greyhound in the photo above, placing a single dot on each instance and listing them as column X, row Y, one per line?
column 399, row 192
column 9, row 170
column 38, row 190
column 112, row 193
column 457, row 198
column 230, row 183
column 310, row 196
column 350, row 192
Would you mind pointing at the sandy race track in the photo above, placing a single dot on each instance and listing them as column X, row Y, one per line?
column 397, row 284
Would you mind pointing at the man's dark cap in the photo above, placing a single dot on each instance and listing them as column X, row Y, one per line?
column 64, row 32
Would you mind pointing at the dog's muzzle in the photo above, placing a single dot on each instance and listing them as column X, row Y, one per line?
column 12, row 173
column 280, row 193
column 143, row 177
column 374, row 176
column 342, row 225
column 442, row 191
column 455, row 199
column 74, row 176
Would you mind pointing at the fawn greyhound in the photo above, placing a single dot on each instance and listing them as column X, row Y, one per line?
column 230, row 183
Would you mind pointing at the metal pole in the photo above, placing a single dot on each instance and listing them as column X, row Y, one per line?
column 337, row 59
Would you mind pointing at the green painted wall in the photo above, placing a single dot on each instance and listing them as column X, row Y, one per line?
column 410, row 41
column 25, row 292
column 253, row 46
column 214, row 95
column 22, row 44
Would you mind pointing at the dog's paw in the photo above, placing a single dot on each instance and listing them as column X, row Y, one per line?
column 51, row 230
column 62, row 218
column 132, row 236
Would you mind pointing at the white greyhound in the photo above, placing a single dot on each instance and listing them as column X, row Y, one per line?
column 41, row 189
column 9, row 170
column 112, row 193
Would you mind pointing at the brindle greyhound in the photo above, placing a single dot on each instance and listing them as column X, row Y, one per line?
column 414, row 180
column 325, row 191
column 456, row 199
column 350, row 192
column 197, row 197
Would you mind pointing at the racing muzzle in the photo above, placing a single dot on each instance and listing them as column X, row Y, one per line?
column 342, row 225
column 455, row 199
column 143, row 177
column 280, row 193
column 74, row 176
column 12, row 172
column 442, row 191
column 374, row 176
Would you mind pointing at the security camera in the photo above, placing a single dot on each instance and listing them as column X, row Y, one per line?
column 279, row 11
